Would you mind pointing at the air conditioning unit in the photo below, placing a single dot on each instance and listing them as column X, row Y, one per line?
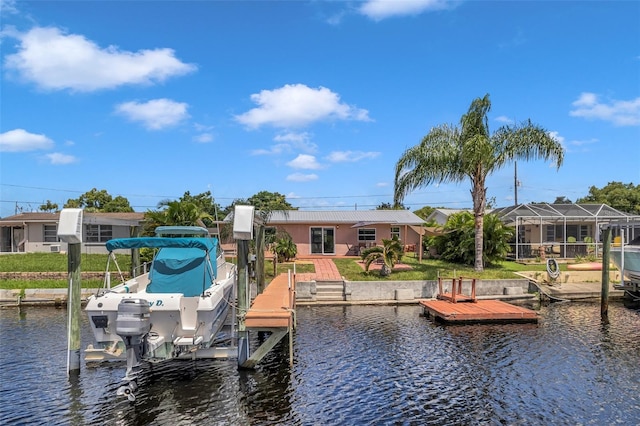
column 55, row 249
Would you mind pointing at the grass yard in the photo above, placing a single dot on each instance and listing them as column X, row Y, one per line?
column 57, row 262
column 431, row 269
column 428, row 269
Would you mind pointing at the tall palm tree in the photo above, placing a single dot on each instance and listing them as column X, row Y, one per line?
column 453, row 154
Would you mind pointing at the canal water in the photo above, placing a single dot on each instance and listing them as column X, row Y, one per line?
column 354, row 365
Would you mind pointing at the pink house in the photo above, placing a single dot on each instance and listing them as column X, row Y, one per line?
column 345, row 233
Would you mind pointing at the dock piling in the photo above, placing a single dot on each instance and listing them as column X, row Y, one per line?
column 604, row 296
column 74, row 310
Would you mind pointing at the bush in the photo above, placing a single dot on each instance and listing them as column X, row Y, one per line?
column 284, row 248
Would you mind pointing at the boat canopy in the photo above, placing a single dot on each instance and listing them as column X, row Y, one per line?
column 182, row 231
column 206, row 244
column 182, row 265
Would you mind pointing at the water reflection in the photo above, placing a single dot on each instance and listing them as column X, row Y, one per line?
column 353, row 365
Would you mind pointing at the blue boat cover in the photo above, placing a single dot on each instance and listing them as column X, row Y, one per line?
column 193, row 231
column 180, row 265
column 207, row 244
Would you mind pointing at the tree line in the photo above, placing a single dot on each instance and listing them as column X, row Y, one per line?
column 621, row 196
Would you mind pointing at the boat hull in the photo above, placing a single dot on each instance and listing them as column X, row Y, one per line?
column 179, row 324
column 631, row 263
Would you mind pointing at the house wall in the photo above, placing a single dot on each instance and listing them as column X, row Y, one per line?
column 35, row 235
column 346, row 237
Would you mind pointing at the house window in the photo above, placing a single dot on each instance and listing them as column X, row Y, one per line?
column 50, row 234
column 366, row 234
column 584, row 232
column 98, row 233
column 572, row 232
column 551, row 233
column 395, row 232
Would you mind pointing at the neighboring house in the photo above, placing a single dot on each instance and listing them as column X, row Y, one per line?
column 562, row 230
column 440, row 216
column 38, row 232
column 346, row 233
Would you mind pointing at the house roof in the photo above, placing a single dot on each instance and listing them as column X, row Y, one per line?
column 560, row 211
column 98, row 218
column 354, row 217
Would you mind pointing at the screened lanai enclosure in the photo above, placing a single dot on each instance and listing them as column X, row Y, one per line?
column 559, row 230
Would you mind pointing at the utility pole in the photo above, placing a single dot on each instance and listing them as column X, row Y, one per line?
column 515, row 183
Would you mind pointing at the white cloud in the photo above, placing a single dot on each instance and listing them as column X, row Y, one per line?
column 156, row 114
column 301, row 177
column 55, row 60
column 57, row 158
column 381, row 9
column 304, row 161
column 297, row 105
column 504, row 119
column 205, row 133
column 620, row 113
column 273, row 150
column 382, row 184
column 301, row 141
column 290, row 141
column 8, row 6
column 19, row 140
column 584, row 143
column 350, row 156
column 203, row 138
column 555, row 135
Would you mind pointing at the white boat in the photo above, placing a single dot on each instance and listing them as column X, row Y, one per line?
column 172, row 312
column 627, row 260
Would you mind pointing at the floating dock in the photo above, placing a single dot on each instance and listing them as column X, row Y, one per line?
column 481, row 311
column 452, row 306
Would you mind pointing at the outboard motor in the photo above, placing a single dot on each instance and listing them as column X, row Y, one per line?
column 133, row 324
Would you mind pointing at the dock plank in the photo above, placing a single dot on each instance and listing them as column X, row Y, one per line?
column 273, row 308
column 480, row 311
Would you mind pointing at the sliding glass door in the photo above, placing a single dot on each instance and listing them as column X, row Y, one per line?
column 323, row 241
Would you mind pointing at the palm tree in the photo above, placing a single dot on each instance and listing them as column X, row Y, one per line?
column 390, row 253
column 453, row 154
column 176, row 213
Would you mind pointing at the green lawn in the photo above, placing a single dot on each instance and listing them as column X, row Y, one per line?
column 428, row 269
column 57, row 262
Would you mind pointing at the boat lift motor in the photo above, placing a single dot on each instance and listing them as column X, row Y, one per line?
column 133, row 324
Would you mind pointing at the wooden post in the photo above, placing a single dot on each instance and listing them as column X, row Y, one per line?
column 260, row 259
column 243, row 300
column 74, row 310
column 135, row 254
column 604, row 297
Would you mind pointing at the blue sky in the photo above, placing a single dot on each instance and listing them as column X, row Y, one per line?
column 316, row 100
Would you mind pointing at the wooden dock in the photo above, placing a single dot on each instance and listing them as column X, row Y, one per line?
column 481, row 311
column 272, row 311
column 273, row 308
